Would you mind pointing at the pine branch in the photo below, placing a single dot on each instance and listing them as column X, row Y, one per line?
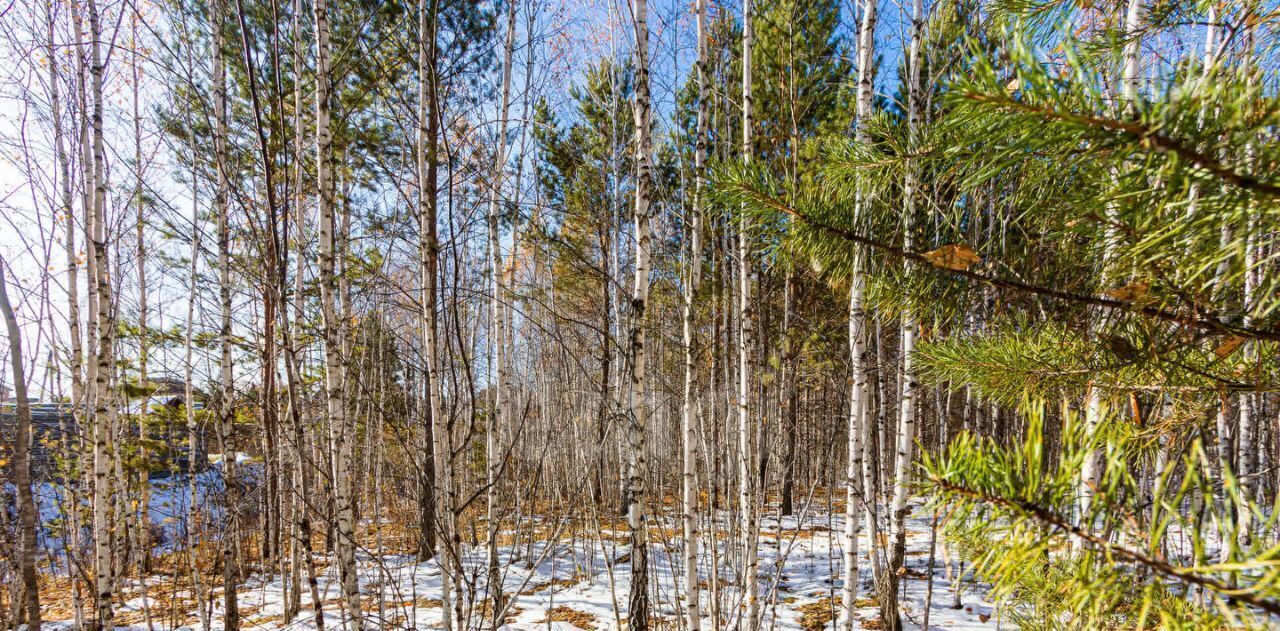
column 1049, row 518
column 1143, row 134
column 1209, row 324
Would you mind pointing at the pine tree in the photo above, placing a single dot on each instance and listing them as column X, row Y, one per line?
column 1031, row 170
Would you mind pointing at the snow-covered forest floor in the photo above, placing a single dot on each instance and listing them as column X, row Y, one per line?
column 580, row 581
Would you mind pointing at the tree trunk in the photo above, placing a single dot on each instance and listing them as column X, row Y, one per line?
column 746, row 490
column 493, row 452
column 638, row 409
column 1091, row 471
column 22, row 462
column 906, row 443
column 86, row 207
column 300, row 541
column 65, row 213
column 104, row 413
column 226, row 385
column 142, row 541
column 693, row 263
column 194, row 444
column 339, row 427
column 859, row 490
column 440, row 530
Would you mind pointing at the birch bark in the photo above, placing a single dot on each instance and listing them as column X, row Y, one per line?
column 21, row 466
column 906, row 439
column 859, row 492
column 225, row 421
column 746, row 311
column 339, row 427
column 638, row 409
column 194, row 446
column 1091, row 469
column 142, row 536
column 493, row 453
column 693, row 262
column 66, row 214
column 104, row 413
column 440, row 516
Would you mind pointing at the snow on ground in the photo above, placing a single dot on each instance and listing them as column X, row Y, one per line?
column 168, row 505
column 582, row 582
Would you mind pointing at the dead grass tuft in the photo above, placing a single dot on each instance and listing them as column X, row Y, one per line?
column 559, row 582
column 814, row 616
column 874, row 623
column 580, row 619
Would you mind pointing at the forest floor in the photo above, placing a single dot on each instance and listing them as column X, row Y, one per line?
column 579, row 582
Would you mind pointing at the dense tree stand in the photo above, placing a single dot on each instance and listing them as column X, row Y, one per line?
column 709, row 314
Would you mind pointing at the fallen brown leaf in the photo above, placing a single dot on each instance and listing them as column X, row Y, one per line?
column 1228, row 346
column 956, row 256
column 1131, row 292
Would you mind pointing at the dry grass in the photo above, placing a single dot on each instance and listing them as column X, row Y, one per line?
column 874, row 623
column 397, row 532
column 171, row 600
column 167, row 601
column 559, row 582
column 801, row 533
column 814, row 616
column 55, row 597
column 913, row 573
column 396, row 609
column 485, row 611
column 580, row 619
column 370, row 603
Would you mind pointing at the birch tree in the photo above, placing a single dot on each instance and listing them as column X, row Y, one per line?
column 142, row 535
column 66, row 213
column 906, row 443
column 188, row 391
column 497, row 326
column 334, row 365
column 1095, row 398
column 693, row 276
column 860, row 492
column 746, row 312
column 104, row 412
column 27, row 515
column 300, row 548
column 226, row 383
column 638, row 408
column 439, row 528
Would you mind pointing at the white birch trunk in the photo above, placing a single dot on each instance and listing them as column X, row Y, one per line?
column 230, row 572
column 142, row 537
column 693, row 263
column 493, row 451
column 86, row 207
column 334, row 366
column 66, row 213
column 298, row 507
column 1248, row 458
column 1091, row 471
column 21, row 466
column 638, row 409
column 859, row 491
column 746, row 469
column 906, row 435
column 104, row 412
column 441, row 443
column 188, row 397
